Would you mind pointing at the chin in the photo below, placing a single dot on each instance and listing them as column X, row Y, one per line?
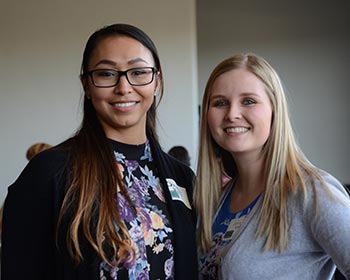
column 235, row 149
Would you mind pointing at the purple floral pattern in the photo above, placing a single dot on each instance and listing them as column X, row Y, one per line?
column 149, row 226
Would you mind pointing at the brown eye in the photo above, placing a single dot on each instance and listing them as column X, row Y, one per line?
column 140, row 72
column 104, row 73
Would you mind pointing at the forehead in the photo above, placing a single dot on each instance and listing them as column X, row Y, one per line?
column 238, row 81
column 120, row 49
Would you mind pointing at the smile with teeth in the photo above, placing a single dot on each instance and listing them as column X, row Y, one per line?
column 125, row 104
column 236, row 129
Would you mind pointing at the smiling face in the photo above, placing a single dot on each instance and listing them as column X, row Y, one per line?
column 121, row 109
column 240, row 112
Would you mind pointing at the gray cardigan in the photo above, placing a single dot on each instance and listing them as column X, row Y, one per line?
column 318, row 240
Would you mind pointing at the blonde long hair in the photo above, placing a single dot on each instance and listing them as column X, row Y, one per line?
column 285, row 166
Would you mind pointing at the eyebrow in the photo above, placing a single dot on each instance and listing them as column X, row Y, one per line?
column 112, row 63
column 135, row 60
column 244, row 94
column 217, row 97
column 250, row 94
column 106, row 61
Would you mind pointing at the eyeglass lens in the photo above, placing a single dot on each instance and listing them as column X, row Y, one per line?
column 135, row 76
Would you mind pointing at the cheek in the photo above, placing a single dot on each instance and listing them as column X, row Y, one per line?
column 95, row 94
column 98, row 100
column 148, row 93
column 100, row 109
column 212, row 121
column 214, row 124
column 148, row 98
column 265, row 118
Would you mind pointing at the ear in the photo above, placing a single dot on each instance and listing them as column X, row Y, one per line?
column 158, row 77
column 84, row 83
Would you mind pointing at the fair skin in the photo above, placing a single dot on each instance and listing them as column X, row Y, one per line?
column 121, row 109
column 239, row 119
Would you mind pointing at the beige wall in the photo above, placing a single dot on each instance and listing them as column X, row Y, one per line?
column 42, row 43
column 308, row 44
column 40, row 54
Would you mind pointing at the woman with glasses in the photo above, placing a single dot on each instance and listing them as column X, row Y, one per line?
column 107, row 203
column 279, row 217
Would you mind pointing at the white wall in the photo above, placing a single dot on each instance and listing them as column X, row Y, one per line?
column 40, row 54
column 308, row 44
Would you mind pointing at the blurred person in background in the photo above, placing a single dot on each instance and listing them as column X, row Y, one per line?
column 36, row 148
column 181, row 154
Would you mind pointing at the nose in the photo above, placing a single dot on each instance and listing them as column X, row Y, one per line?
column 123, row 87
column 233, row 112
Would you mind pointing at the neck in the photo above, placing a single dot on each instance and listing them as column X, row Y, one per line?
column 251, row 177
column 127, row 136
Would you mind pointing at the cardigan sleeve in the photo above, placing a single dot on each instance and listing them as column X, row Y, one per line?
column 28, row 220
column 330, row 222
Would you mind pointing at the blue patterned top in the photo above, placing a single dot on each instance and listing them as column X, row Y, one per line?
column 149, row 227
column 224, row 227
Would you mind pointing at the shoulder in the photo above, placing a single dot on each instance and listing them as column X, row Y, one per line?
column 178, row 168
column 39, row 186
column 48, row 162
column 327, row 216
column 176, row 163
column 322, row 194
column 44, row 167
column 328, row 188
column 326, row 202
column 170, row 168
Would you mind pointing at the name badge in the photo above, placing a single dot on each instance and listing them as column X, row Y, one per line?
column 232, row 228
column 178, row 193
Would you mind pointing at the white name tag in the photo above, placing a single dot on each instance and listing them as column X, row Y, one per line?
column 178, row 193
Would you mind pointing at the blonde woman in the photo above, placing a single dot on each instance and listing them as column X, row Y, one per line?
column 280, row 217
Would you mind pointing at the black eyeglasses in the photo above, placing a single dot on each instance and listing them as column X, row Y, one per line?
column 104, row 78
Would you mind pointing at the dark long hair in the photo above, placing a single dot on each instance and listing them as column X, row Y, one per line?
column 90, row 203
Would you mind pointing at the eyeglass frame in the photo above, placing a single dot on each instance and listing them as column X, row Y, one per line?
column 120, row 74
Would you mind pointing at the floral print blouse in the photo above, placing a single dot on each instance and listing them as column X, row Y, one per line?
column 149, row 227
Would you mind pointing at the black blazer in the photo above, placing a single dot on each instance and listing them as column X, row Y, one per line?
column 29, row 247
